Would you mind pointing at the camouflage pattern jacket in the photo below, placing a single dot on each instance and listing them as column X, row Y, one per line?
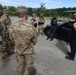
column 24, row 36
column 41, row 21
column 33, row 21
column 2, row 44
column 5, row 21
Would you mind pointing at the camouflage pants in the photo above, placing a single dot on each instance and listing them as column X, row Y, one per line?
column 21, row 64
column 9, row 45
column 41, row 29
column 3, row 52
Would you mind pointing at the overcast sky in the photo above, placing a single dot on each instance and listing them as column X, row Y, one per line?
column 49, row 4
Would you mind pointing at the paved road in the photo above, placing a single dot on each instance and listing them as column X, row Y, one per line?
column 49, row 59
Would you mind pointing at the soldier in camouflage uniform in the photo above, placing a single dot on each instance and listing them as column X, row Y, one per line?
column 41, row 25
column 3, row 52
column 24, row 36
column 6, row 22
column 33, row 20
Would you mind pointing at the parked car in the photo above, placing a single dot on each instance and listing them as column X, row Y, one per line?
column 63, row 31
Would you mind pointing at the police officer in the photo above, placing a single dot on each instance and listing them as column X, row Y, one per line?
column 33, row 20
column 24, row 36
column 41, row 22
column 53, row 27
column 6, row 22
column 72, row 23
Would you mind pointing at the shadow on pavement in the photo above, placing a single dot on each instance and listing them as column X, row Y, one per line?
column 62, row 46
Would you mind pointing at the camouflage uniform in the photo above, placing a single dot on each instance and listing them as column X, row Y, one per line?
column 41, row 25
column 2, row 44
column 24, row 36
column 6, row 22
column 3, row 52
column 33, row 21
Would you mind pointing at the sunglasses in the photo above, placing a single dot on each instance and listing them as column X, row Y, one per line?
column 7, row 13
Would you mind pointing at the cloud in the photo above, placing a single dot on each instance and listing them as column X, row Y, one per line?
column 58, row 2
column 48, row 3
column 35, row 3
column 8, row 2
column 51, row 1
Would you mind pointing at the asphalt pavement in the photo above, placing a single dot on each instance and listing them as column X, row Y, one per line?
column 49, row 59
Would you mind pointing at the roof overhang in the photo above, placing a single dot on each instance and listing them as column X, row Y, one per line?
column 70, row 11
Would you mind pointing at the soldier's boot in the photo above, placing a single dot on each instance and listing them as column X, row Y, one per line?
column 51, row 39
column 32, row 71
column 5, row 59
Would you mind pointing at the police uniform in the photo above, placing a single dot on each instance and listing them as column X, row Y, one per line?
column 41, row 25
column 71, row 55
column 24, row 36
column 6, row 22
column 52, row 30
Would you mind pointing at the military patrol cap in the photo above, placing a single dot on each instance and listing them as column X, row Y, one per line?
column 22, row 9
column 5, row 11
column 33, row 14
